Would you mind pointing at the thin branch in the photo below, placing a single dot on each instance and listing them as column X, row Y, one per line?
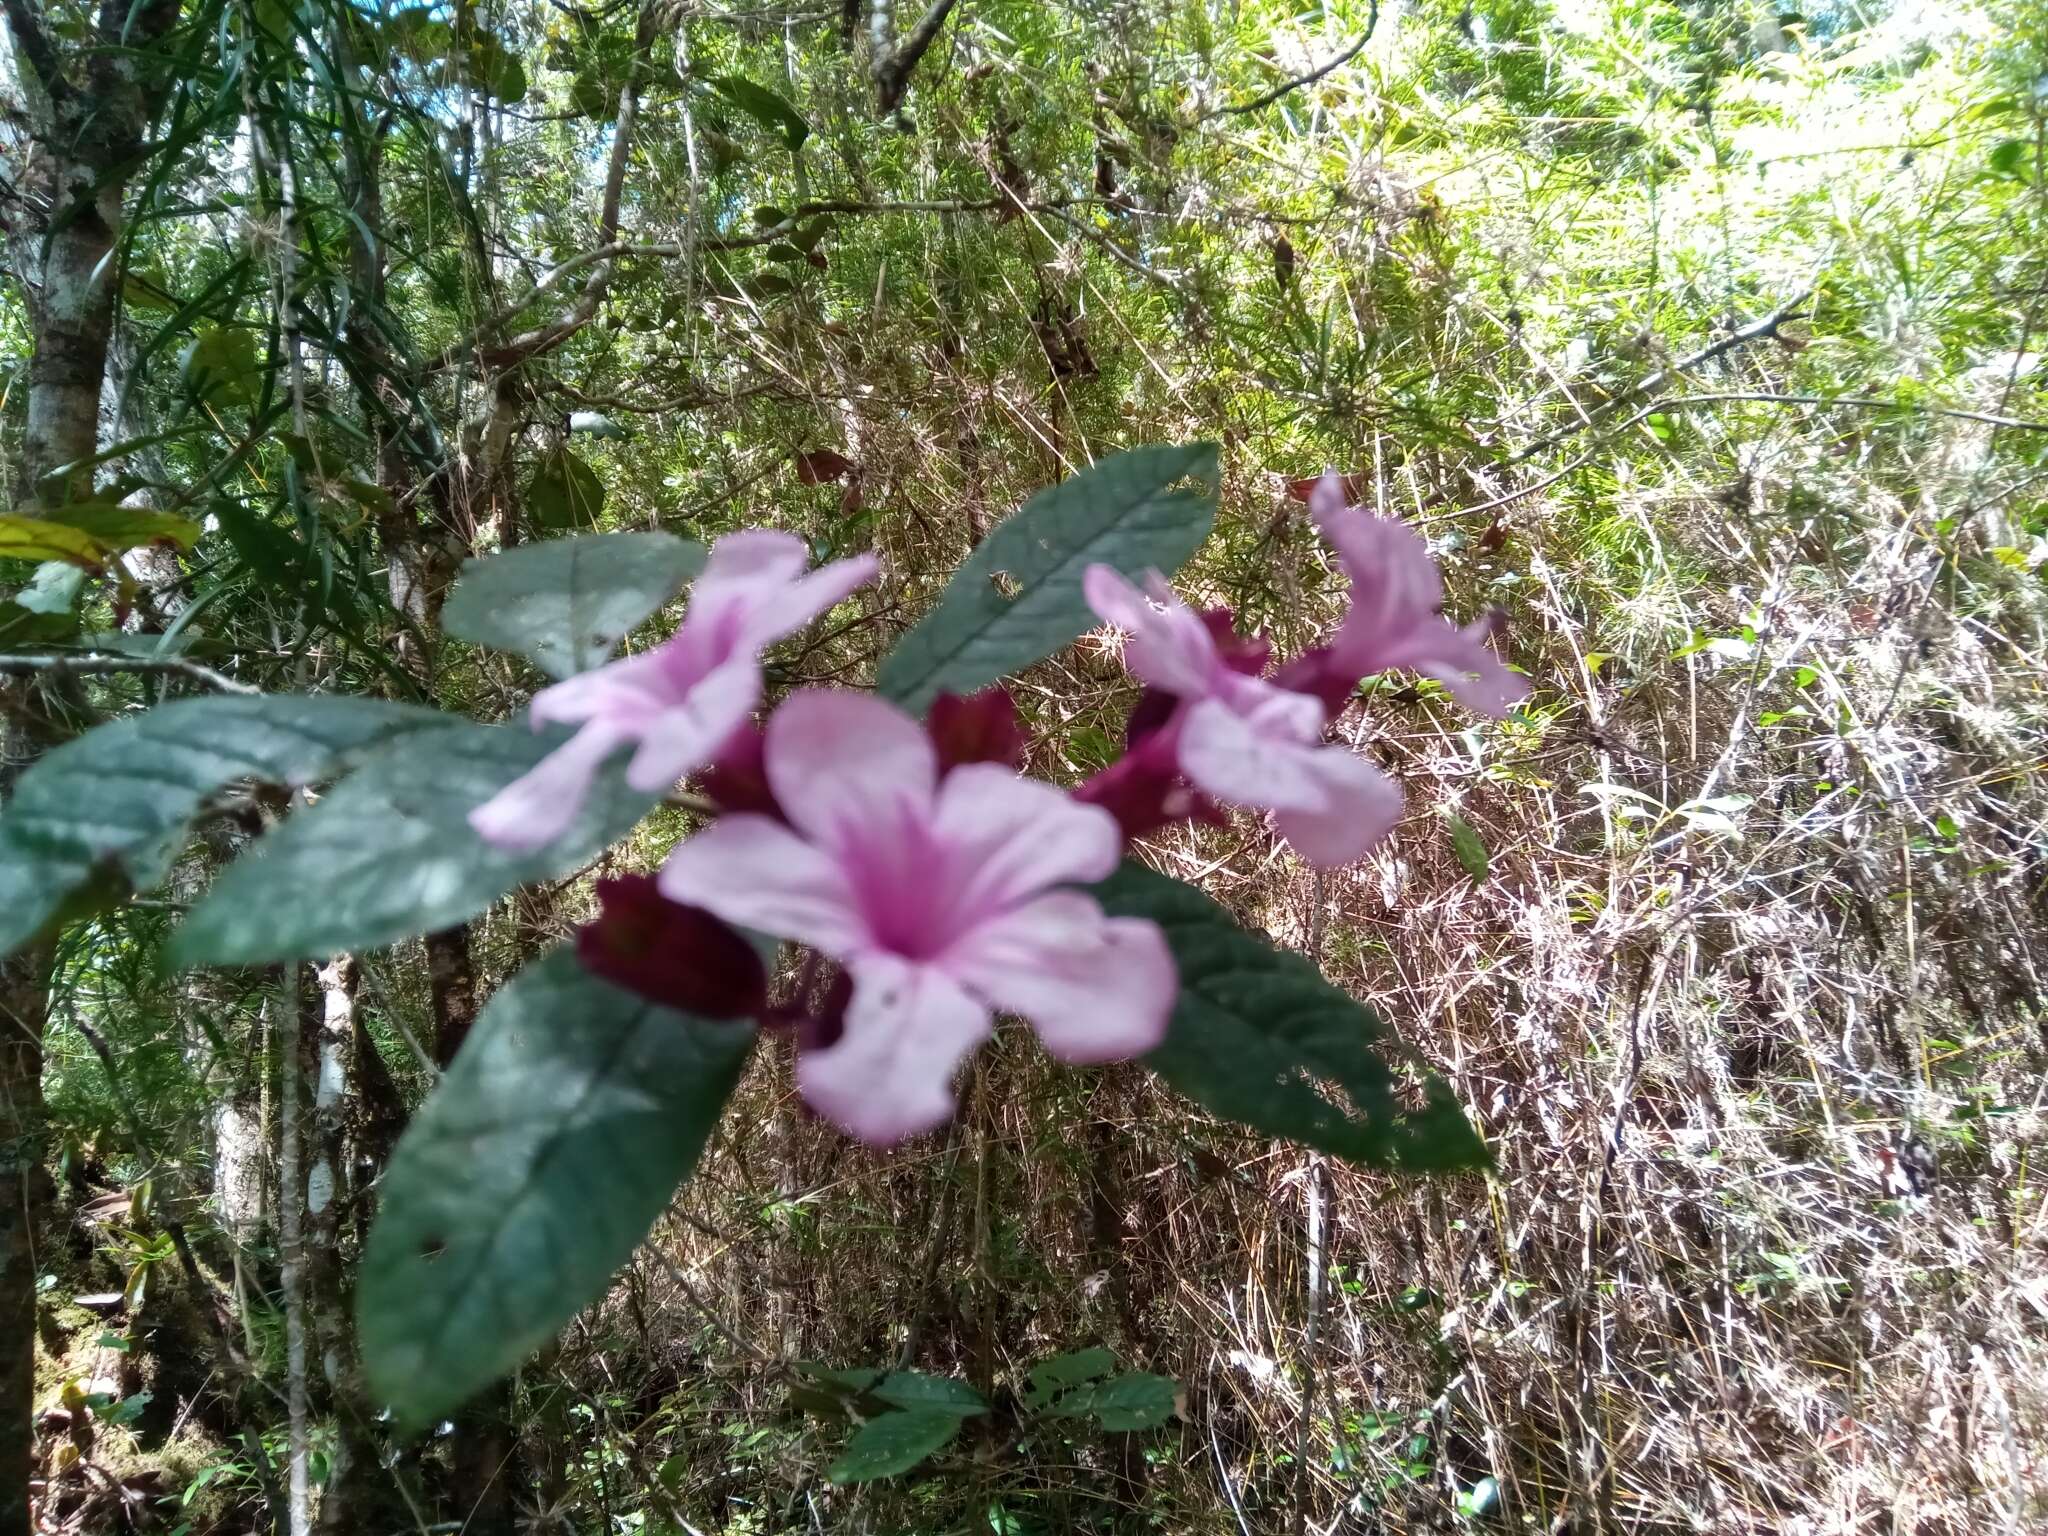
column 1756, row 330
column 93, row 664
column 1861, row 402
column 1854, row 402
column 670, row 250
column 1260, row 103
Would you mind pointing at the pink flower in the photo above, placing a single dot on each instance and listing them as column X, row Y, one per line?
column 940, row 896
column 680, row 702
column 1396, row 617
column 1241, row 738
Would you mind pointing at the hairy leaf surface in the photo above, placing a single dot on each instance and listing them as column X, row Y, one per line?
column 1129, row 511
column 558, row 1135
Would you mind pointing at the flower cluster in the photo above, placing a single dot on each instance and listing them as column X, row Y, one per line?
column 1211, row 727
column 946, row 885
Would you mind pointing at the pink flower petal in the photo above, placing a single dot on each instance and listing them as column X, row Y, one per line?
column 1360, row 806
column 686, row 735
column 1247, row 761
column 840, row 762
column 758, row 557
column 890, row 1074
column 1332, row 805
column 1326, row 498
column 538, row 807
column 1170, row 647
column 756, row 873
column 788, row 609
column 1478, row 679
column 1094, row 988
column 622, row 690
column 1019, row 836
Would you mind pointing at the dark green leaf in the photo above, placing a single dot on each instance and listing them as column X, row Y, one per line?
column 564, row 603
column 564, row 494
column 1256, row 1032
column 529, row 1176
column 1122, row 512
column 390, row 852
column 916, row 1392
column 1052, row 1377
column 893, row 1443
column 591, row 94
column 1468, row 845
column 496, row 69
column 1138, row 1400
column 116, row 801
column 765, row 108
column 220, row 363
column 2006, row 158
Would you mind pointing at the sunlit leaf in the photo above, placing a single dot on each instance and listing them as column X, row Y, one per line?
column 565, row 603
column 1131, row 511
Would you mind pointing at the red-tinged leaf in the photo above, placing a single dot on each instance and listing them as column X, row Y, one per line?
column 821, row 465
column 853, row 498
column 1355, row 487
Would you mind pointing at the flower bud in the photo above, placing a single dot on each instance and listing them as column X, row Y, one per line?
column 737, row 779
column 681, row 957
column 980, row 728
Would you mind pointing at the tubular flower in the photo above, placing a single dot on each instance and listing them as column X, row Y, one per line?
column 1241, row 738
column 679, row 703
column 940, row 896
column 1396, row 616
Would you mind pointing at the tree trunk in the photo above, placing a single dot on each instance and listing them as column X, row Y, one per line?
column 86, row 119
column 24, row 1002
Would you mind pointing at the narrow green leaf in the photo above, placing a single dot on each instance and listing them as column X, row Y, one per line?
column 1468, row 845
column 36, row 538
column 390, row 852
column 529, row 1176
column 892, row 1444
column 1256, row 1032
column 564, row 603
column 1123, row 512
column 115, row 803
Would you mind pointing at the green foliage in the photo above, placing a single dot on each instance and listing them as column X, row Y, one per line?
column 111, row 808
column 1256, row 1030
column 390, row 852
column 1468, row 845
column 565, row 494
column 1129, row 511
column 765, row 108
column 559, row 1134
column 1079, row 1384
column 564, row 604
column 893, row 1444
